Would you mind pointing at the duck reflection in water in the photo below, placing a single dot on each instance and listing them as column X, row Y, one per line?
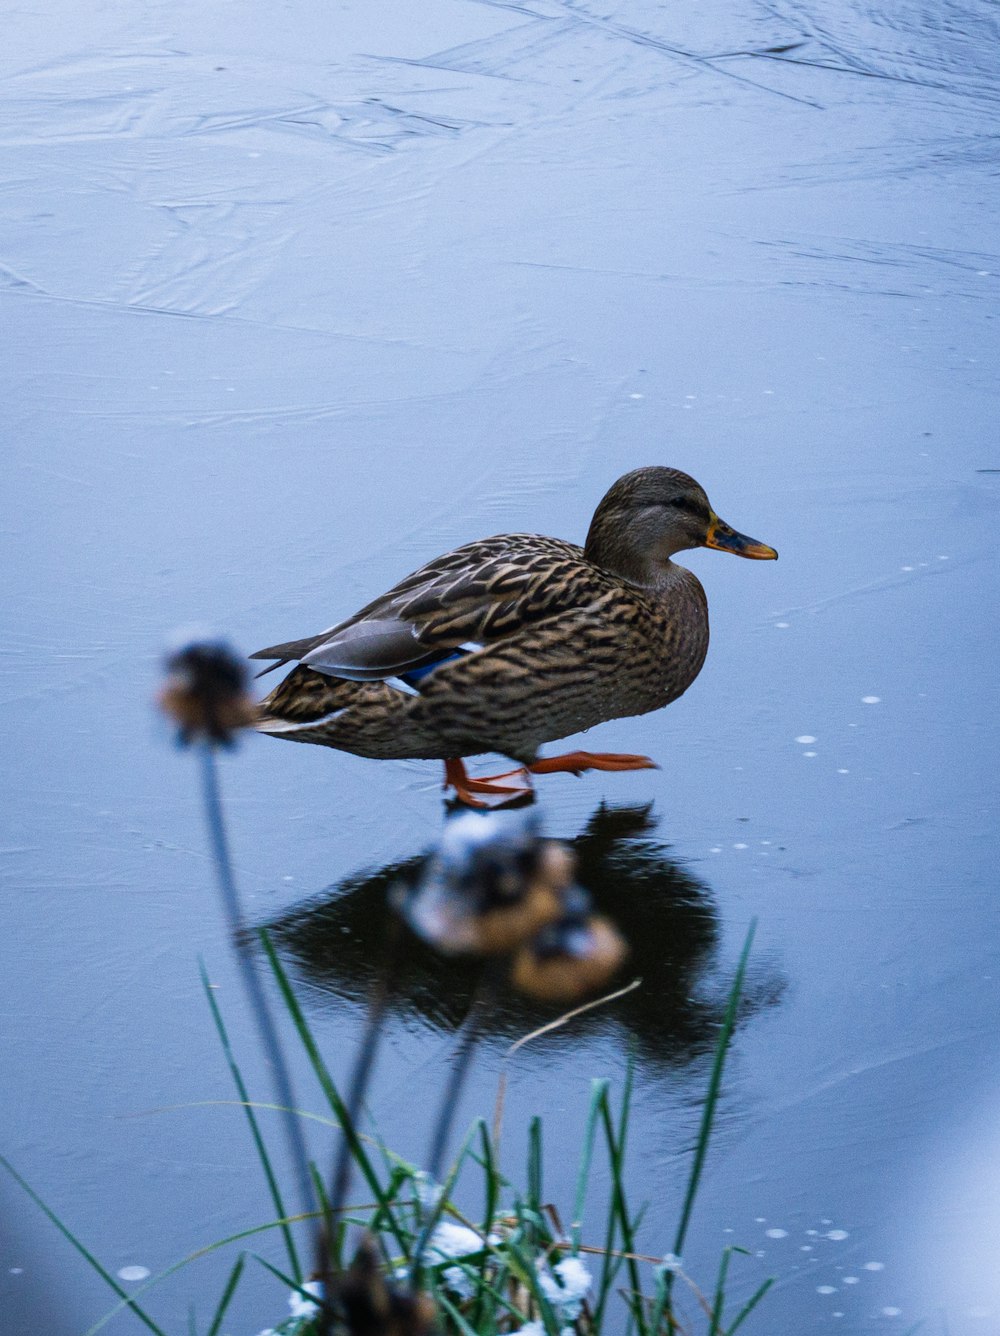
column 666, row 914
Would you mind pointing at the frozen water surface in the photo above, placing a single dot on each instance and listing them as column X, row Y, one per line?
column 296, row 298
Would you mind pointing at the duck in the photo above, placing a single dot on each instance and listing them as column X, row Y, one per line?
column 511, row 642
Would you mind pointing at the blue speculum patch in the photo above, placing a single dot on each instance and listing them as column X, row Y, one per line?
column 416, row 675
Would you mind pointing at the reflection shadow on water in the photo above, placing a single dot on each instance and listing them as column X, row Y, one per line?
column 667, row 915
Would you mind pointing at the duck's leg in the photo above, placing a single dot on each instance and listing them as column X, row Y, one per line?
column 571, row 763
column 575, row 763
column 478, row 792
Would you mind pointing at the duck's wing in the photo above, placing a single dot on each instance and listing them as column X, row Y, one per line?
column 473, row 596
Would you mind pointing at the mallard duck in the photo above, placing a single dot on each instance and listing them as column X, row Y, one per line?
column 514, row 641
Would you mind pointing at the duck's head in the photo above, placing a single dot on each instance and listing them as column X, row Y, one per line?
column 650, row 514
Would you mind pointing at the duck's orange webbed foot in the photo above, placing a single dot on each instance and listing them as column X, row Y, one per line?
column 575, row 763
column 485, row 792
column 491, row 791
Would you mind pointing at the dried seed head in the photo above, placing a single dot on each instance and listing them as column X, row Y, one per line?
column 492, row 884
column 370, row 1306
column 571, row 958
column 206, row 692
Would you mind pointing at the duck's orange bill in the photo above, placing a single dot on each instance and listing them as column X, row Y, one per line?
column 725, row 539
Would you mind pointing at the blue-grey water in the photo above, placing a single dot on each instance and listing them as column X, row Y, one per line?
column 295, row 297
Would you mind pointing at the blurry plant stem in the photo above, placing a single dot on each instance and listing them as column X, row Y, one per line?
column 340, row 1181
column 482, row 1004
column 251, row 982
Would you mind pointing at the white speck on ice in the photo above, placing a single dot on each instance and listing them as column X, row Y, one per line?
column 761, row 1219
column 870, row 700
column 17, row 1270
column 805, row 1247
column 715, row 849
column 906, row 568
column 805, row 739
column 813, row 1233
column 134, row 1273
column 739, row 846
column 637, row 396
column 874, row 1266
column 892, row 1312
column 826, row 1289
column 837, row 1234
column 942, row 558
column 809, row 753
column 852, row 1280
column 782, row 626
column 776, row 1233
column 843, row 772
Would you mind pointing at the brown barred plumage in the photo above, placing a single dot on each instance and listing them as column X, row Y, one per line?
column 563, row 637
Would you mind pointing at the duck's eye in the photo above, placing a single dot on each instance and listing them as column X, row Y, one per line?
column 690, row 504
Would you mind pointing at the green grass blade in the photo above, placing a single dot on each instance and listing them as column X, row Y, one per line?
column 619, row 1205
column 460, row 1322
column 750, row 1305
column 491, row 1192
column 714, row 1086
column 719, row 1301
column 660, row 1305
column 611, row 1264
column 535, row 1171
column 524, row 1268
column 227, row 1295
column 106, row 1276
column 251, row 1117
column 597, row 1090
column 297, row 1286
column 491, row 1176
column 332, row 1094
